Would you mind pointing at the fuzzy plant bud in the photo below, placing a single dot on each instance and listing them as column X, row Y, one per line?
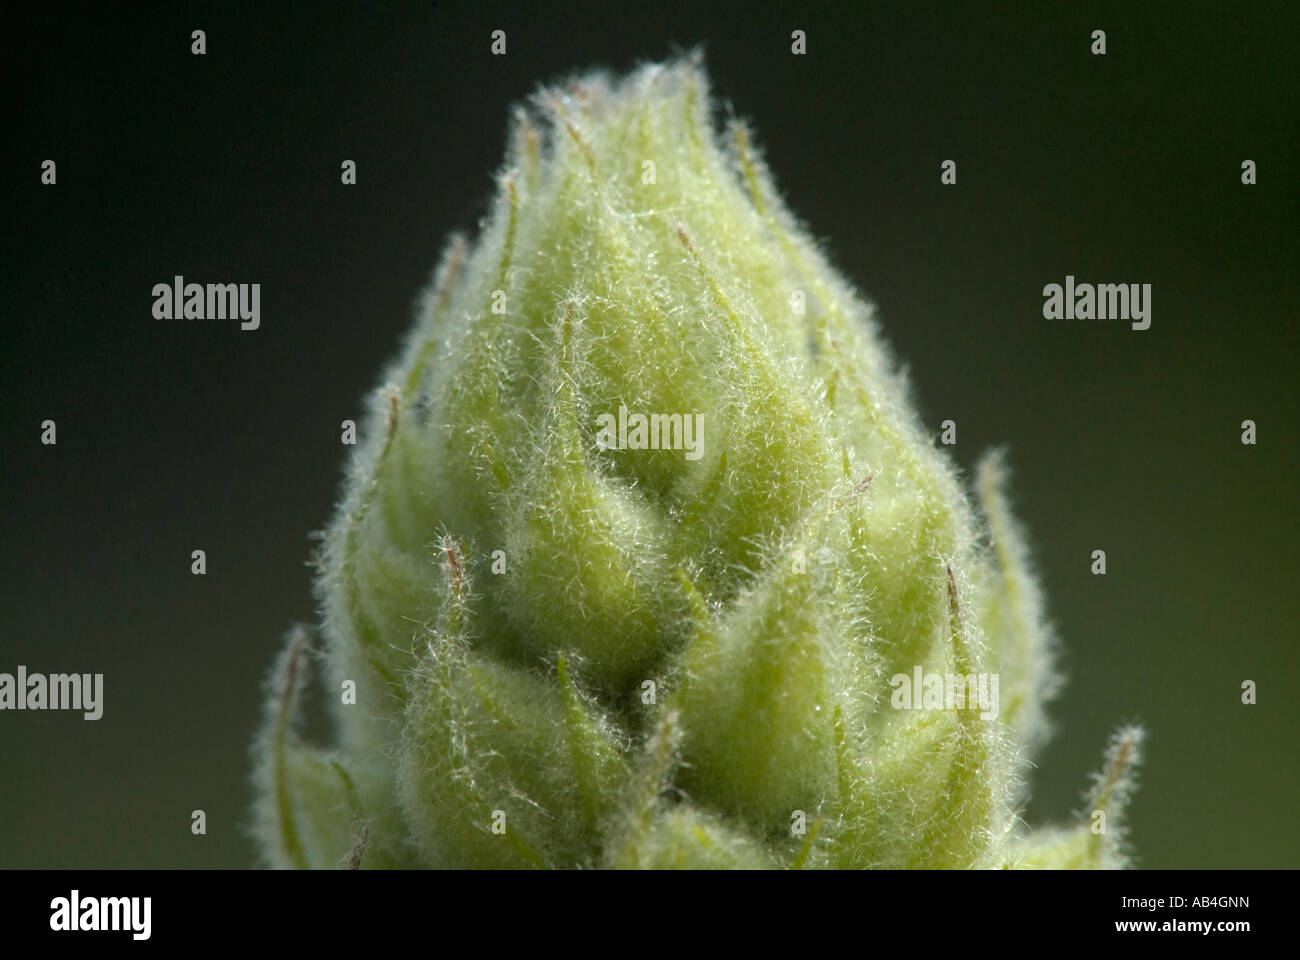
column 646, row 560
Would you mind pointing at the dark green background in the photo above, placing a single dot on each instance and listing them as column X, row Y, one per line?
column 182, row 434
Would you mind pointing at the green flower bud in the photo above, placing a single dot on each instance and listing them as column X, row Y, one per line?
column 646, row 559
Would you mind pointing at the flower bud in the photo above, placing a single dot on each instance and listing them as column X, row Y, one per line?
column 647, row 560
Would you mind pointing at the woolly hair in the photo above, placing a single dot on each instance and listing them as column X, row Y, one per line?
column 571, row 652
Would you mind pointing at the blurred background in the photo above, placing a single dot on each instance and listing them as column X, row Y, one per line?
column 180, row 435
